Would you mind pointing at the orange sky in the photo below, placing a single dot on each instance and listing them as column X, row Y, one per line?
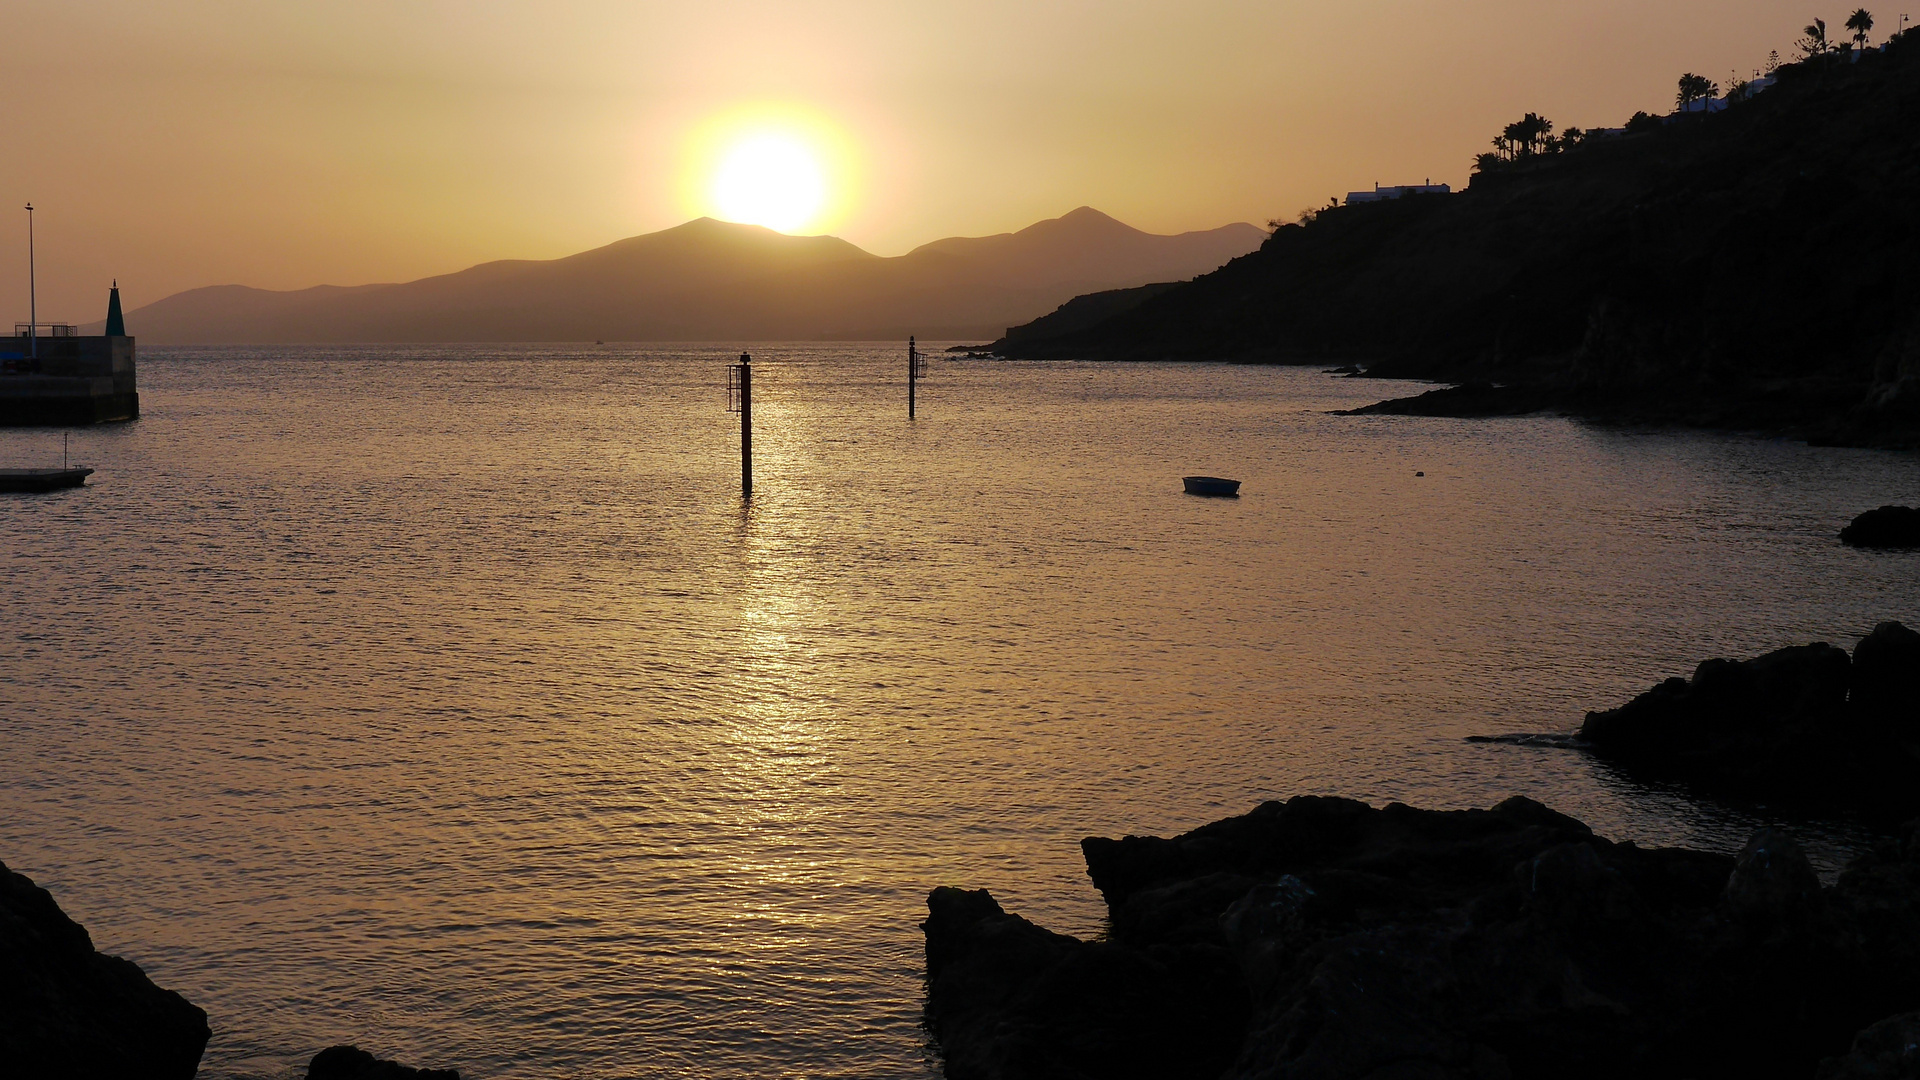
column 285, row 144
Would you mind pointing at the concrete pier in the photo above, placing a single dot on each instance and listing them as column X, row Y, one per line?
column 73, row 380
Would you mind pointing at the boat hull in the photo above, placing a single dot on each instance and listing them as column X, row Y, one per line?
column 1210, row 485
column 42, row 479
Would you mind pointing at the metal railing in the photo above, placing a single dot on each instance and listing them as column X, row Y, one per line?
column 45, row 329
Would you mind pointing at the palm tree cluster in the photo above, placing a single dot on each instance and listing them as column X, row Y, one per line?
column 1695, row 88
column 1531, row 136
column 1814, row 42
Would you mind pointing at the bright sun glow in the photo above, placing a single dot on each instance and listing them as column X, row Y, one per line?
column 772, row 179
column 781, row 166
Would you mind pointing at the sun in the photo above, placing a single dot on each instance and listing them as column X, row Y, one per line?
column 770, row 178
column 783, row 166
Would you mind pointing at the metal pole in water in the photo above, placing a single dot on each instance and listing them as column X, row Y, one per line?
column 746, row 426
column 913, row 371
column 33, row 306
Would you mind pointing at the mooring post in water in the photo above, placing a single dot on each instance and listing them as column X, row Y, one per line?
column 33, row 299
column 916, row 370
column 740, row 400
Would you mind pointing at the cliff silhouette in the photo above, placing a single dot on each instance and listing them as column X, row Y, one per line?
column 1753, row 268
column 712, row 280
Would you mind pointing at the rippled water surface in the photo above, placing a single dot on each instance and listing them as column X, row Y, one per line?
column 449, row 701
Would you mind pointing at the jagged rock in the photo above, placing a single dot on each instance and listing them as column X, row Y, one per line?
column 1773, row 881
column 1886, row 686
column 1887, row 527
column 1803, row 726
column 353, row 1063
column 69, row 1011
column 1746, row 712
column 1011, row 1001
column 1370, row 944
column 1889, row 1050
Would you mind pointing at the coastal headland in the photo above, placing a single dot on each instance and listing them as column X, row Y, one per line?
column 1752, row 268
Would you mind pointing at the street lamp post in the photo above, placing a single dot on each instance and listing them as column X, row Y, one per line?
column 33, row 307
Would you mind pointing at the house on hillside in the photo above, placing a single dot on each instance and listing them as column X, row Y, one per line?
column 1382, row 194
column 1741, row 93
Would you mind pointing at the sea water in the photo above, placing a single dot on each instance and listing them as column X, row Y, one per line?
column 452, row 702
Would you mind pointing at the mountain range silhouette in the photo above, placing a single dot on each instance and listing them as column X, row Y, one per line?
column 713, row 280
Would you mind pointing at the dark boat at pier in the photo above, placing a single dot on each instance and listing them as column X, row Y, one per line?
column 42, row 479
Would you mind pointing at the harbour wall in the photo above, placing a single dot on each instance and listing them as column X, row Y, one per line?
column 73, row 380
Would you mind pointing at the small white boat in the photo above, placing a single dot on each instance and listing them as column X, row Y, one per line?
column 42, row 479
column 1210, row 485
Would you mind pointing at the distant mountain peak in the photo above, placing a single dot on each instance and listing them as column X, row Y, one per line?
column 708, row 279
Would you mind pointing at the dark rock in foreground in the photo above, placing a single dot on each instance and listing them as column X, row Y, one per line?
column 69, row 1011
column 1009, row 999
column 353, row 1063
column 1322, row 938
column 1889, row 1050
column 1887, row 527
column 1805, row 726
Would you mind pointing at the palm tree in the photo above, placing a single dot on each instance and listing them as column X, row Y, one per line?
column 1815, row 41
column 1860, row 22
column 1531, row 134
column 1693, row 88
column 1515, row 135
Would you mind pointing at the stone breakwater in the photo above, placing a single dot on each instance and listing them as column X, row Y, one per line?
column 1326, row 938
column 67, row 1010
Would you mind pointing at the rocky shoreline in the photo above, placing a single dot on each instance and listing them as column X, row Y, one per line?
column 70, row 1011
column 1814, row 413
column 1326, row 938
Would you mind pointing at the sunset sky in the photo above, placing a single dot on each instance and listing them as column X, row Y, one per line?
column 283, row 144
